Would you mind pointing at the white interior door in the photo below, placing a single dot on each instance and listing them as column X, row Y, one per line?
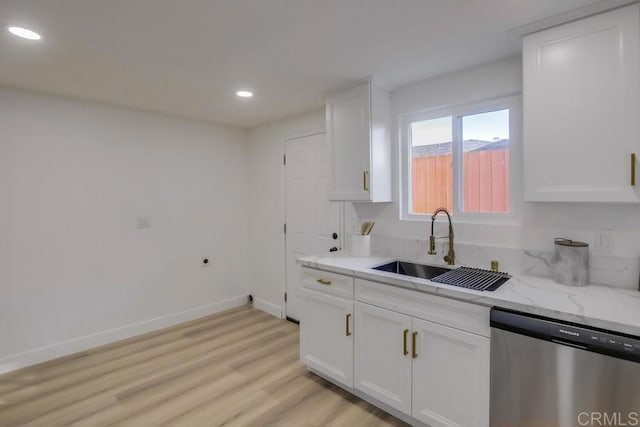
column 311, row 219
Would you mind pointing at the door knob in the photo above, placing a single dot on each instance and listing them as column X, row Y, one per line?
column 335, row 236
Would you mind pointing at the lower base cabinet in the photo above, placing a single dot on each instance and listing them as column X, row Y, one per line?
column 431, row 373
column 450, row 376
column 382, row 359
column 326, row 338
column 436, row 374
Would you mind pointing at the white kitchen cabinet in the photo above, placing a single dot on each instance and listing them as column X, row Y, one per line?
column 581, row 109
column 420, row 356
column 450, row 374
column 382, row 355
column 358, row 130
column 437, row 374
column 326, row 336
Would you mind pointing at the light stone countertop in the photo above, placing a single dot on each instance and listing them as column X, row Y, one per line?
column 593, row 305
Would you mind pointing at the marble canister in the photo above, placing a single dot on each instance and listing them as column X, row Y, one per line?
column 571, row 262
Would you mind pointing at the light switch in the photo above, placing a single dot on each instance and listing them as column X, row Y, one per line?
column 143, row 222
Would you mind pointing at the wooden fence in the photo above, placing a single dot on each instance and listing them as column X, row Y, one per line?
column 485, row 182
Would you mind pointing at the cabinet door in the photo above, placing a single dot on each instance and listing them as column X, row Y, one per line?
column 450, row 377
column 349, row 134
column 581, row 111
column 326, row 336
column 382, row 366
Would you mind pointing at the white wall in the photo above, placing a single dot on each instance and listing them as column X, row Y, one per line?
column 266, row 206
column 539, row 222
column 487, row 81
column 74, row 270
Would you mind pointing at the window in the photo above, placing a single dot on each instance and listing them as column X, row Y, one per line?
column 460, row 158
column 431, row 171
column 485, row 162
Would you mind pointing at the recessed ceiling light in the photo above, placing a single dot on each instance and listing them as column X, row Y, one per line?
column 24, row 33
column 244, row 94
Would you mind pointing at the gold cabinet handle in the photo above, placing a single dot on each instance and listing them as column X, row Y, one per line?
column 413, row 345
column 405, row 350
column 633, row 168
column 324, row 282
column 365, row 180
column 346, row 324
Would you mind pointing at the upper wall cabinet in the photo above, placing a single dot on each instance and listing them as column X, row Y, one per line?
column 581, row 109
column 358, row 129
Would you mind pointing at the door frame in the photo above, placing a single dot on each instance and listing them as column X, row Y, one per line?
column 340, row 241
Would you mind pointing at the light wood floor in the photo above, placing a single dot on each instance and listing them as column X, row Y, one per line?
column 236, row 368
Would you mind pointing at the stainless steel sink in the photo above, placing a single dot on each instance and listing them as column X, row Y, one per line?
column 422, row 271
column 464, row 277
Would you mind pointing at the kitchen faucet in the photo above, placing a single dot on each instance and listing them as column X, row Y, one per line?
column 450, row 257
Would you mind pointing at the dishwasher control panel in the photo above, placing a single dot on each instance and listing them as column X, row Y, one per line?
column 597, row 339
column 600, row 341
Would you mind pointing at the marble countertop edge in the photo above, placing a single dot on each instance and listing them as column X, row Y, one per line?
column 597, row 306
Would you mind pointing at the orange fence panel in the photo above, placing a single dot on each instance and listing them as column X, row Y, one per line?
column 485, row 182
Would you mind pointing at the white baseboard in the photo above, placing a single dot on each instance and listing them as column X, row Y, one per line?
column 267, row 307
column 65, row 348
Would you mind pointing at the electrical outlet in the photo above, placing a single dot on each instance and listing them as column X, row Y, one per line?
column 603, row 241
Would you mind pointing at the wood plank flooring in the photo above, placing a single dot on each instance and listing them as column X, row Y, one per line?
column 235, row 368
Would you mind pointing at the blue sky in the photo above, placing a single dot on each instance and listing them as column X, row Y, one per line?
column 484, row 126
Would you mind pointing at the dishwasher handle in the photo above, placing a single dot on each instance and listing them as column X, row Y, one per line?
column 569, row 343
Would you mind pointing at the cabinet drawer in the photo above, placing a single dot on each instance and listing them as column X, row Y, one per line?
column 328, row 283
column 445, row 311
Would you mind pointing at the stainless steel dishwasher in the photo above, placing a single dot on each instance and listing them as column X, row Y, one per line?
column 548, row 373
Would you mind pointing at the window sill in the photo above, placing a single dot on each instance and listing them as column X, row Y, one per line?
column 510, row 220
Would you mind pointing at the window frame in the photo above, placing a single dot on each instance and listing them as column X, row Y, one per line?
column 511, row 102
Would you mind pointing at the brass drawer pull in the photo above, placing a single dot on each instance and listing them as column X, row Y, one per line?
column 413, row 345
column 633, row 168
column 346, row 326
column 365, row 180
column 324, row 282
column 405, row 350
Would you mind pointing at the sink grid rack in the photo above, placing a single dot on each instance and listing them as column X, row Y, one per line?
column 473, row 278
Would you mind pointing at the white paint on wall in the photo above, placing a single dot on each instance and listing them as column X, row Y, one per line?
column 539, row 222
column 74, row 178
column 276, row 310
column 75, row 271
column 265, row 198
column 492, row 80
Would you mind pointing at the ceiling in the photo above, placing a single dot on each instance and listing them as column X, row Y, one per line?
column 189, row 57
